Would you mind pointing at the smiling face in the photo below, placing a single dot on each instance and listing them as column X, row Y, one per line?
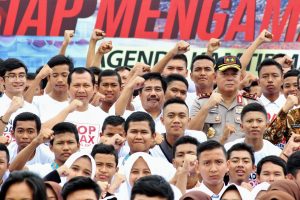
column 152, row 95
column 14, row 81
column 290, row 86
column 81, row 167
column 240, row 166
column 138, row 170
column 110, row 87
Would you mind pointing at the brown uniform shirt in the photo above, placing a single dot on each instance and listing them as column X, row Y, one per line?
column 220, row 115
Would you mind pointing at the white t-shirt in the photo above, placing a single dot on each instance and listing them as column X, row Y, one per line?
column 267, row 150
column 89, row 124
column 190, row 98
column 207, row 191
column 48, row 107
column 40, row 169
column 4, row 105
column 42, row 155
column 272, row 108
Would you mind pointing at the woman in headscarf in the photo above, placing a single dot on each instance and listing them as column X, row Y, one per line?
column 139, row 165
column 53, row 190
column 78, row 164
column 236, row 192
column 289, row 186
column 195, row 195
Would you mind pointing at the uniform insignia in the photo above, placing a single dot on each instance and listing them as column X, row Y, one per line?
column 238, row 119
column 249, row 96
column 211, row 132
column 229, row 60
column 218, row 118
column 204, row 95
column 238, row 109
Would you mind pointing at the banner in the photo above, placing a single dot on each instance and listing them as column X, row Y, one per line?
column 32, row 30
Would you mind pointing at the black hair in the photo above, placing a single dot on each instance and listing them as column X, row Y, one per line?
column 28, row 116
column 241, row 147
column 105, row 149
column 152, row 186
column 181, row 57
column 269, row 62
column 109, row 72
column 293, row 163
column 61, row 60
column 30, row 76
column 64, row 127
column 210, row 145
column 4, row 148
column 32, row 180
column 156, row 76
column 254, row 107
column 279, row 55
column 95, row 70
column 140, row 117
column 113, row 120
column 11, row 64
column 185, row 140
column 122, row 68
column 274, row 160
column 175, row 101
column 290, row 73
column 80, row 70
column 202, row 57
column 176, row 77
column 80, row 183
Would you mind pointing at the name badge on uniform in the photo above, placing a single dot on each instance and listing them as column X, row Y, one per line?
column 218, row 118
column 238, row 109
column 238, row 119
column 214, row 110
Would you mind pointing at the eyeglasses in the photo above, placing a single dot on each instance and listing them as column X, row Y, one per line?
column 13, row 77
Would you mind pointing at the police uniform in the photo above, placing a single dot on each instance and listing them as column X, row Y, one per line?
column 220, row 115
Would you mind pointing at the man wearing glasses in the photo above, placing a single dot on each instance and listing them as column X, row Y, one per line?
column 13, row 77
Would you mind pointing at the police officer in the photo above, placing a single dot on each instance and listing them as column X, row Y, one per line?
column 220, row 111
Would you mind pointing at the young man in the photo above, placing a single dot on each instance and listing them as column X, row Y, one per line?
column 151, row 188
column 177, row 87
column 124, row 73
column 109, row 84
column 184, row 147
column 270, row 169
column 254, row 123
column 4, row 164
column 50, row 104
column 293, row 167
column 81, row 188
column 212, row 167
column 64, row 141
column 213, row 112
column 26, row 128
column 285, row 123
column 13, row 77
column 270, row 80
column 241, row 163
column 175, row 119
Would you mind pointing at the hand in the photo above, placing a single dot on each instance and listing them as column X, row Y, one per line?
column 213, row 45
column 290, row 102
column 248, row 79
column 286, row 61
column 248, row 186
column 16, row 103
column 74, row 105
column 97, row 99
column 265, row 36
column 105, row 47
column 137, row 83
column 158, row 138
column 103, row 186
column 63, row 171
column 117, row 181
column 214, row 99
column 229, row 129
column 4, row 140
column 139, row 69
column 190, row 163
column 45, row 135
column 292, row 146
column 117, row 141
column 97, row 35
column 180, row 48
column 45, row 71
column 69, row 34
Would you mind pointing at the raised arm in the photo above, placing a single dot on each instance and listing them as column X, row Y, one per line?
column 212, row 45
column 95, row 37
column 105, row 47
column 67, row 39
column 181, row 47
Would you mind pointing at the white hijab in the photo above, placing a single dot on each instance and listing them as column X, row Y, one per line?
column 69, row 162
column 125, row 188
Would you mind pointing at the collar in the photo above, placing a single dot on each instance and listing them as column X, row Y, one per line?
column 206, row 190
column 279, row 101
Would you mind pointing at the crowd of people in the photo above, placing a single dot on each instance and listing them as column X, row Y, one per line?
column 204, row 130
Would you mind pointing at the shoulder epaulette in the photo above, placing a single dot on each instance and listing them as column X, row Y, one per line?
column 204, row 95
column 249, row 96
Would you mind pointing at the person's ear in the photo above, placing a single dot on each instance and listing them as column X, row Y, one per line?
column 162, row 120
column 290, row 177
